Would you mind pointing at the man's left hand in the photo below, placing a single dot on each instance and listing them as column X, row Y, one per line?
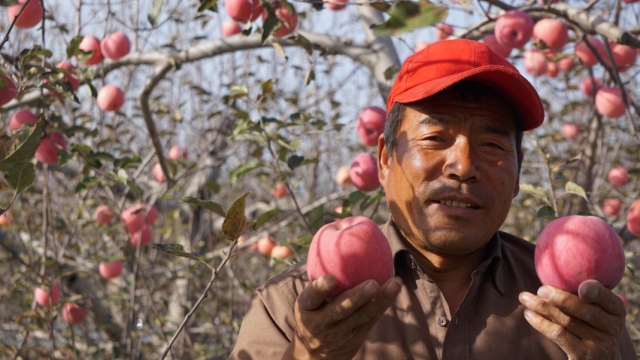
column 588, row 326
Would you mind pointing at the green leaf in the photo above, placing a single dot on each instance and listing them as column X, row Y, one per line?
column 535, row 191
column 546, row 212
column 122, row 163
column 371, row 199
column 19, row 176
column 574, row 188
column 280, row 51
column 316, row 219
column 266, row 217
column 294, row 161
column 21, row 146
column 178, row 250
column 271, row 23
column 86, row 183
column 235, row 221
column 211, row 5
column 209, row 205
column 235, row 174
column 391, row 70
column 634, row 172
column 406, row 16
column 311, row 75
column 154, row 12
column 304, row 43
column 72, row 47
column 238, row 91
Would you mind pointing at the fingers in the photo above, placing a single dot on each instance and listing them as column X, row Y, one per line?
column 349, row 301
column 366, row 316
column 592, row 291
column 314, row 295
column 557, row 333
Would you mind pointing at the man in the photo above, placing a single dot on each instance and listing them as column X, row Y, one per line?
column 449, row 161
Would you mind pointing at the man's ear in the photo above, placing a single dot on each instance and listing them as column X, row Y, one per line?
column 383, row 161
column 516, row 189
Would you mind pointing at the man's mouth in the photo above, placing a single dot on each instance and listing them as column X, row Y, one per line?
column 455, row 203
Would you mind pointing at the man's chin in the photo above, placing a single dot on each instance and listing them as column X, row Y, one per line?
column 453, row 242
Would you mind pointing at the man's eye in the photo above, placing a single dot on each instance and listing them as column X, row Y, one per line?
column 433, row 138
column 494, row 145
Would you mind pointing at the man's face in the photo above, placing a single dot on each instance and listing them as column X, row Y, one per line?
column 447, row 152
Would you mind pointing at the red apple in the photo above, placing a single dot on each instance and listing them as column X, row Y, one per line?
column 535, row 62
column 241, row 240
column 571, row 131
column 43, row 297
column 370, row 125
column 633, row 218
column 281, row 252
column 612, row 206
column 134, row 219
column 443, row 31
column 622, row 297
column 103, row 215
column 364, row 172
column 152, row 215
column 230, row 28
column 9, row 92
column 552, row 69
column 115, row 46
column 353, row 250
column 573, row 249
column 21, row 117
column 71, row 74
column 420, row 45
column 493, row 44
column 630, row 1
column 280, row 191
column 47, row 152
column 566, row 64
column 289, row 21
column 586, row 86
column 158, row 174
column 30, row 17
column 514, row 29
column 609, row 102
column 243, row 10
column 623, row 55
column 111, row 269
column 618, row 176
column 91, row 43
column 331, row 4
column 176, row 152
column 145, row 233
column 6, row 219
column 586, row 55
column 553, row 32
column 73, row 313
column 110, row 98
column 342, row 176
column 266, row 245
column 338, row 210
column 58, row 138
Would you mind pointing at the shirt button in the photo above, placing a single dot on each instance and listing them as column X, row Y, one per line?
column 413, row 265
column 442, row 321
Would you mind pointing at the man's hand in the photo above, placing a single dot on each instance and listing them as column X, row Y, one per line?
column 588, row 326
column 337, row 329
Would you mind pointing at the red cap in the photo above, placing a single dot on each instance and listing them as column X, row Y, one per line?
column 444, row 63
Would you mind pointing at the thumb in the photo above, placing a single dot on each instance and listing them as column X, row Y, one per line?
column 316, row 293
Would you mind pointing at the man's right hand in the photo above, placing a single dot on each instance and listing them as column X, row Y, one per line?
column 337, row 329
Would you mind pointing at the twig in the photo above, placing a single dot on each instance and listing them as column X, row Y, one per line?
column 6, row 35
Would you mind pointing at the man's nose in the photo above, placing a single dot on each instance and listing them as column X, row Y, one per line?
column 461, row 163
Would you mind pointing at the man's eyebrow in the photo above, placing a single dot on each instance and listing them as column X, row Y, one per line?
column 440, row 121
column 497, row 129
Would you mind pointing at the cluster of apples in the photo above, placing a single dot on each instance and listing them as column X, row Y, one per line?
column 268, row 246
column 72, row 313
column 175, row 153
column 618, row 177
column 608, row 100
column 243, row 11
column 136, row 223
column 50, row 143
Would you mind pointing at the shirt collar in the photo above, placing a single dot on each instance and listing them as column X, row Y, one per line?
column 492, row 261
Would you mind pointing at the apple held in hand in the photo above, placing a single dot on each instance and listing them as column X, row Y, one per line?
column 364, row 172
column 111, row 269
column 611, row 207
column 91, row 43
column 493, row 44
column 370, row 125
column 633, row 218
column 74, row 313
column 115, row 45
column 43, row 297
column 31, row 15
column 552, row 32
column 103, row 215
column 353, row 250
column 514, row 29
column 573, row 249
column 21, row 117
column 243, row 10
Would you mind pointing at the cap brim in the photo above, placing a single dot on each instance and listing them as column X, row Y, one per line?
column 524, row 99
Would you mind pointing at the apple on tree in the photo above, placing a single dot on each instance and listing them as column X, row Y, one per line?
column 552, row 69
column 566, row 64
column 552, row 32
column 43, row 296
column 9, row 92
column 47, row 152
column 115, row 45
column 571, row 131
column 514, row 29
column 243, row 10
column 624, row 56
column 30, row 17
column 353, row 250
column 144, row 236
column 609, row 102
column 342, row 176
column 230, row 28
column 134, row 219
column 103, row 215
column 535, row 62
column 364, row 172
column 618, row 176
column 335, row 5
column 159, row 174
column 110, row 98
column 443, row 31
column 573, row 249
column 73, row 313
column 586, row 55
column 493, row 44
column 6, row 219
column 289, row 21
column 612, row 206
column 586, row 86
column 177, row 152
column 21, row 117
column 109, row 270
column 91, row 43
column 266, row 245
column 420, row 45
column 282, row 252
column 370, row 125
column 280, row 190
column 633, row 218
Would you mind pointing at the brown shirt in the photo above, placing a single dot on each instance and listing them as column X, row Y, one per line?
column 489, row 323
